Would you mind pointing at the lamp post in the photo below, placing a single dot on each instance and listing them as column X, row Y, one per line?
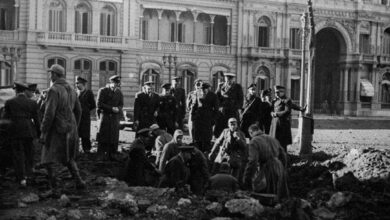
column 170, row 63
column 11, row 55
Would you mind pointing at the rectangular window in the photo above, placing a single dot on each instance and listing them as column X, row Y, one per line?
column 108, row 25
column 181, row 32
column 173, row 32
column 295, row 89
column 295, row 38
column 85, row 23
column 263, row 37
column 3, row 19
column 145, row 27
column 364, row 41
column 207, row 36
column 78, row 22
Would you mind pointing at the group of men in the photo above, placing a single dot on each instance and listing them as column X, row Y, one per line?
column 62, row 115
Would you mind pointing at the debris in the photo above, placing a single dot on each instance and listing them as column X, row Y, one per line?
column 97, row 214
column 118, row 199
column 74, row 214
column 64, row 200
column 30, row 198
column 248, row 207
column 339, row 199
column 215, row 208
column 184, row 202
column 156, row 208
column 324, row 214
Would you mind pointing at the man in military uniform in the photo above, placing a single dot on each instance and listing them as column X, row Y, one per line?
column 166, row 111
column 203, row 114
column 251, row 111
column 87, row 102
column 109, row 108
column 180, row 96
column 22, row 113
column 145, row 107
column 231, row 99
column 281, row 118
column 191, row 104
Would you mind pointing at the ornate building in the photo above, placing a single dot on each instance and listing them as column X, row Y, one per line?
column 259, row 40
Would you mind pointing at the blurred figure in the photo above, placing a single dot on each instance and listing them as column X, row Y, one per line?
column 145, row 107
column 192, row 105
column 109, row 108
column 251, row 112
column 180, row 96
column 87, row 102
column 59, row 127
column 231, row 99
column 22, row 114
column 171, row 149
column 166, row 111
column 266, row 153
column 230, row 147
column 161, row 138
column 223, row 180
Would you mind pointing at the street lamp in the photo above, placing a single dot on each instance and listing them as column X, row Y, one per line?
column 11, row 55
column 170, row 63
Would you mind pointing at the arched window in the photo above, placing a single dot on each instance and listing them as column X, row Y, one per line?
column 56, row 60
column 386, row 41
column 108, row 21
column 7, row 15
column 6, row 77
column 187, row 79
column 385, row 88
column 151, row 75
column 83, row 19
column 57, row 21
column 217, row 79
column 262, row 79
column 83, row 68
column 263, row 32
column 107, row 68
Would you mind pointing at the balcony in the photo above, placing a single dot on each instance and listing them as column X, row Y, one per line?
column 384, row 59
column 7, row 35
column 185, row 47
column 82, row 40
column 295, row 53
column 367, row 58
column 266, row 52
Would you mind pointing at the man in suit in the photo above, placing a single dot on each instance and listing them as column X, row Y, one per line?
column 251, row 111
column 22, row 113
column 109, row 107
column 87, row 102
column 231, row 99
column 180, row 96
column 145, row 107
column 167, row 112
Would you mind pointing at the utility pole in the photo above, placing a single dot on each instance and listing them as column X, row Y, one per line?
column 306, row 121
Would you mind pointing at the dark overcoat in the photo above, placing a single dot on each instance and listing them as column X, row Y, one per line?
column 144, row 107
column 199, row 172
column 281, row 124
column 87, row 102
column 108, row 120
column 167, row 113
column 59, row 124
column 180, row 97
column 231, row 99
column 265, row 116
column 250, row 113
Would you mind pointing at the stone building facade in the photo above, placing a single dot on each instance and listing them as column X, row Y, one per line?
column 258, row 40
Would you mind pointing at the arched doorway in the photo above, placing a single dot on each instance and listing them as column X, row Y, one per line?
column 330, row 46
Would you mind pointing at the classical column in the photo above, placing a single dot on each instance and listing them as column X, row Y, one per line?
column 195, row 15
column 357, row 95
column 228, row 30
column 178, row 13
column 346, row 86
column 212, row 29
column 141, row 18
column 16, row 18
column 159, row 12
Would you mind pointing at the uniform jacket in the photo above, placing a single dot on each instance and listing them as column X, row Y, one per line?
column 87, row 102
column 167, row 113
column 180, row 96
column 250, row 113
column 265, row 116
column 199, row 172
column 144, row 107
column 170, row 150
column 231, row 97
column 227, row 147
column 23, row 115
column 108, row 120
column 60, row 121
column 281, row 124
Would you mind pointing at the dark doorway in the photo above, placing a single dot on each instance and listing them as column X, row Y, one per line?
column 330, row 47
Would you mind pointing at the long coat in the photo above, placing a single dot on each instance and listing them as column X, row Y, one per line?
column 167, row 113
column 144, row 107
column 231, row 99
column 281, row 124
column 180, row 97
column 23, row 115
column 108, row 120
column 203, row 116
column 59, row 125
column 87, row 102
column 250, row 113
column 265, row 116
column 199, row 172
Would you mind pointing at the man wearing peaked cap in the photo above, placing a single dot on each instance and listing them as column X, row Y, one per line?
column 179, row 94
column 145, row 106
column 251, row 111
column 57, row 69
column 22, row 112
column 166, row 111
column 87, row 102
column 109, row 111
column 192, row 102
column 231, row 98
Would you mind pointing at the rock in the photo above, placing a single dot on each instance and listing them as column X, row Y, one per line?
column 184, row 202
column 124, row 201
column 22, row 205
column 30, row 198
column 97, row 214
column 156, row 208
column 221, row 218
column 346, row 181
column 64, row 200
column 170, row 214
column 74, row 214
column 323, row 214
column 339, row 199
column 40, row 215
column 88, row 202
column 143, row 204
column 215, row 208
column 248, row 207
column 52, row 218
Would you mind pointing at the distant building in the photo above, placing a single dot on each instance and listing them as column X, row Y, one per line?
column 259, row 40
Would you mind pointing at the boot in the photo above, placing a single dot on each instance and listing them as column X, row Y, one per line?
column 74, row 170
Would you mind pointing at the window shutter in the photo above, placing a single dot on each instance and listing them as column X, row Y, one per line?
column 51, row 20
column 184, row 33
column 77, row 22
column 108, row 31
column 102, row 26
